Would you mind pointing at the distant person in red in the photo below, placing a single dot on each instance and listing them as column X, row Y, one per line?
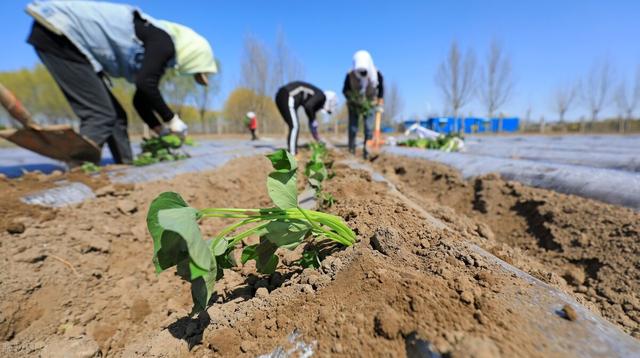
column 251, row 121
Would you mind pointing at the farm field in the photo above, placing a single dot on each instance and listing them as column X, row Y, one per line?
column 463, row 267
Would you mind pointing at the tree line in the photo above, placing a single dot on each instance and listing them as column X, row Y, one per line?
column 460, row 80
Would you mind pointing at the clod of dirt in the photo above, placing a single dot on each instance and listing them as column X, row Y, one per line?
column 574, row 276
column 262, row 292
column 569, row 313
column 16, row 228
column 385, row 240
column 400, row 170
column 485, row 231
column 466, row 297
column 387, row 323
column 105, row 191
column 127, row 206
column 84, row 347
column 475, row 347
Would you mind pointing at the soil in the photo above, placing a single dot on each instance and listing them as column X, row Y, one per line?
column 79, row 280
column 587, row 248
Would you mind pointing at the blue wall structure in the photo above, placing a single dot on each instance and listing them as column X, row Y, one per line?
column 468, row 125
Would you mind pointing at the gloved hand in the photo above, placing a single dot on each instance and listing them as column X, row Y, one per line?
column 177, row 126
column 380, row 109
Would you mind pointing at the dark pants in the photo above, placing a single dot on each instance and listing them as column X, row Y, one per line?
column 353, row 128
column 286, row 107
column 102, row 118
column 253, row 134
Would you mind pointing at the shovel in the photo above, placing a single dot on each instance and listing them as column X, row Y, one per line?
column 58, row 142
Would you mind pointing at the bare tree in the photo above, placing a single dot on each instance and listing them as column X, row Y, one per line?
column 393, row 104
column 563, row 98
column 496, row 82
column 627, row 100
column 255, row 75
column 286, row 67
column 456, row 78
column 204, row 94
column 597, row 87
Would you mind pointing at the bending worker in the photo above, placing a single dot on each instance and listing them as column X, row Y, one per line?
column 364, row 90
column 82, row 43
column 301, row 94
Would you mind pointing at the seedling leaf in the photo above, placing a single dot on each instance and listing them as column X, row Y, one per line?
column 309, row 259
column 218, row 246
column 248, row 253
column 282, row 190
column 183, row 221
column 287, row 234
column 165, row 250
column 282, row 160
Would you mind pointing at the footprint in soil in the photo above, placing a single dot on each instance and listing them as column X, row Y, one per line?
column 190, row 329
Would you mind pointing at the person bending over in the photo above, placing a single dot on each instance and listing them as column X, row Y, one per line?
column 298, row 94
column 83, row 43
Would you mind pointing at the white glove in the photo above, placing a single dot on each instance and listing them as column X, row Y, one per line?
column 177, row 126
column 380, row 109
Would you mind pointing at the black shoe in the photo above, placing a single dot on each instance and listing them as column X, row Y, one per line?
column 365, row 154
column 352, row 151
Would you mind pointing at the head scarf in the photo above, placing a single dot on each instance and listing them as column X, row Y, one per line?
column 330, row 102
column 362, row 61
column 193, row 52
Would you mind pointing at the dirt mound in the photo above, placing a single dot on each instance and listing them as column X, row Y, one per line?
column 584, row 246
column 83, row 281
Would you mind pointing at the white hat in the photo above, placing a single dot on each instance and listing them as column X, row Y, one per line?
column 251, row 114
column 331, row 101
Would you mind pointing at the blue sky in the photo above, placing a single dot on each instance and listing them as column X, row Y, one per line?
column 550, row 42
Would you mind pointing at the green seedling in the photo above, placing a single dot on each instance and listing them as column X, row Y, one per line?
column 309, row 259
column 316, row 171
column 90, row 168
column 160, row 149
column 359, row 103
column 178, row 242
column 448, row 143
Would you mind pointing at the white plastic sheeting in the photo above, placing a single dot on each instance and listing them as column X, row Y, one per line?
column 607, row 185
column 604, row 151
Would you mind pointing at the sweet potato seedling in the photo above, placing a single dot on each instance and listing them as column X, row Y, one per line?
column 160, row 149
column 177, row 239
column 317, row 171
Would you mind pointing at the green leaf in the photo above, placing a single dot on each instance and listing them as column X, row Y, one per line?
column 201, row 292
column 218, row 246
column 266, row 260
column 268, row 267
column 226, row 260
column 287, row 234
column 282, row 189
column 264, row 254
column 183, row 221
column 283, row 160
column 248, row 253
column 309, row 259
column 166, row 250
column 189, row 271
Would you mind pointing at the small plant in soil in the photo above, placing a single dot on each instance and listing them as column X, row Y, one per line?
column 160, row 149
column 359, row 103
column 90, row 168
column 317, row 171
column 178, row 242
column 448, row 143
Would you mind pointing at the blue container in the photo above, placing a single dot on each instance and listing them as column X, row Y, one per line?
column 510, row 124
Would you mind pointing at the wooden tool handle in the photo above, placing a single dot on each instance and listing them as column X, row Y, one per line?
column 9, row 101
